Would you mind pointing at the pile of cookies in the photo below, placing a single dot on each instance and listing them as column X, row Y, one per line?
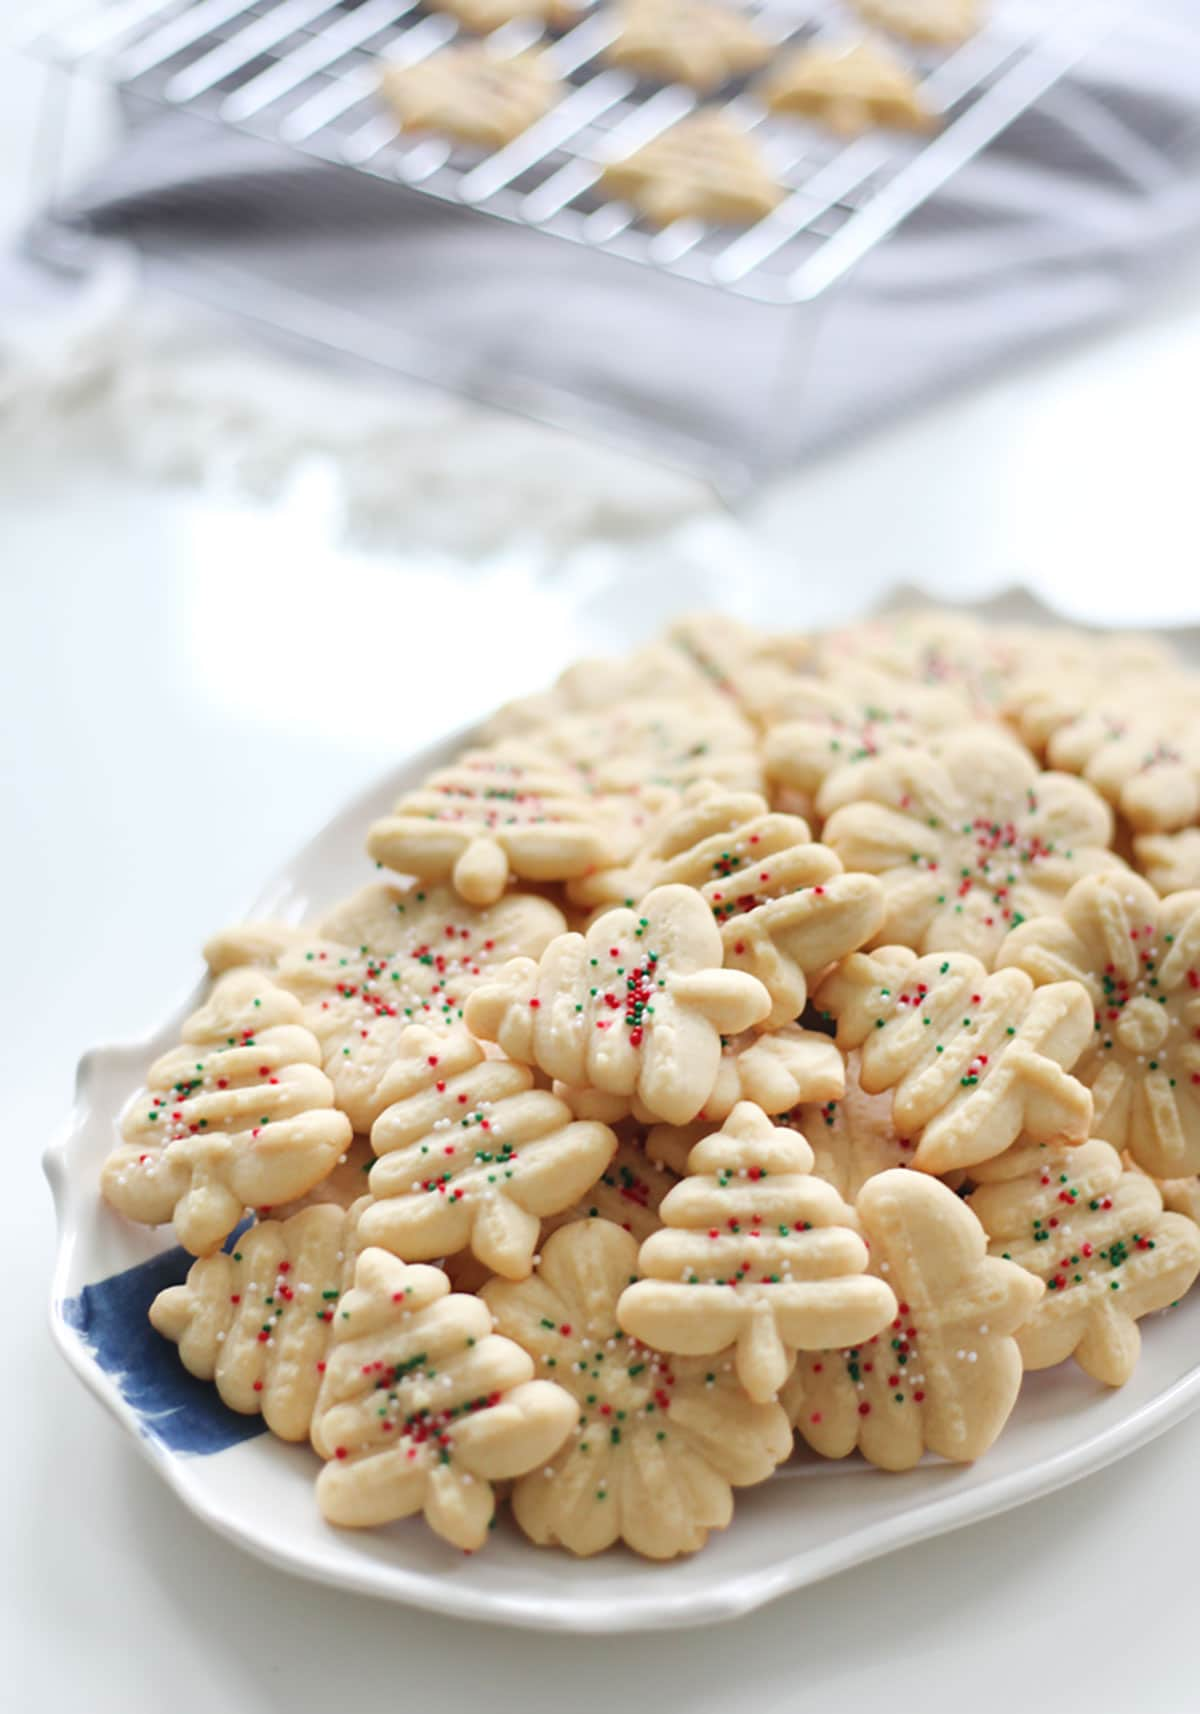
column 758, row 1037
column 706, row 165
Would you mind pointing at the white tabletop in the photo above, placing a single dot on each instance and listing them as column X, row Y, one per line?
column 190, row 687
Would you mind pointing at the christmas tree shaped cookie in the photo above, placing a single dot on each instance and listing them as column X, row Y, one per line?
column 384, row 958
column 238, row 1116
column 636, row 1007
column 972, row 1058
column 490, row 816
column 257, row 1320
column 1096, row 1233
column 472, row 1155
column 969, row 843
column 754, row 1254
column 849, row 86
column 422, row 1407
column 703, row 168
column 945, row 1374
column 1139, row 959
column 661, row 1441
column 785, row 909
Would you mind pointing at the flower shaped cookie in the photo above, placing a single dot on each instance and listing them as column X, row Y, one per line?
column 785, row 908
column 636, row 1007
column 422, row 1407
column 471, row 1155
column 973, row 1059
column 387, row 957
column 257, row 1320
column 661, row 1441
column 238, row 1116
column 754, row 1254
column 969, row 843
column 1096, row 1234
column 491, row 815
column 1141, row 750
column 1139, row 959
column 945, row 1375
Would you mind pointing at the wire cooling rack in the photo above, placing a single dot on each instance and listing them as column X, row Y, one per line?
column 306, row 72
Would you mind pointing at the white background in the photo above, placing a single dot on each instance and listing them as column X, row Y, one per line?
column 189, row 687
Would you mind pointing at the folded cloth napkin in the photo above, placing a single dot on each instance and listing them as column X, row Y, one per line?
column 1061, row 223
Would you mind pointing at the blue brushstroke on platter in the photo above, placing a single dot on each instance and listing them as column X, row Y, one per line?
column 174, row 1408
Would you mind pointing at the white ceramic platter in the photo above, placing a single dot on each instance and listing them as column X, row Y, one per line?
column 812, row 1520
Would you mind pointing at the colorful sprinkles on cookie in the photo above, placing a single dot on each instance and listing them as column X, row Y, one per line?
column 630, row 1128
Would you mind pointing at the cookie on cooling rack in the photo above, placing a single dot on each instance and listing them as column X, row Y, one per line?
column 484, row 16
column 469, row 93
column 695, row 42
column 851, row 87
column 703, row 168
column 939, row 23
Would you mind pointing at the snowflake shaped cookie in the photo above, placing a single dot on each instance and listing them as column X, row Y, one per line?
column 1139, row 959
column 945, row 1374
column 973, row 1059
column 1096, row 1234
column 238, row 1116
column 851, row 87
column 422, row 1407
column 969, row 843
column 686, row 41
column 471, row 1155
column 492, row 815
column 703, row 168
column 755, row 1254
column 469, row 93
column 661, row 1441
column 637, row 1006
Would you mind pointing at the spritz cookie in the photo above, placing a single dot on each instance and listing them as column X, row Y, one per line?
column 661, row 1442
column 702, row 168
column 239, row 1115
